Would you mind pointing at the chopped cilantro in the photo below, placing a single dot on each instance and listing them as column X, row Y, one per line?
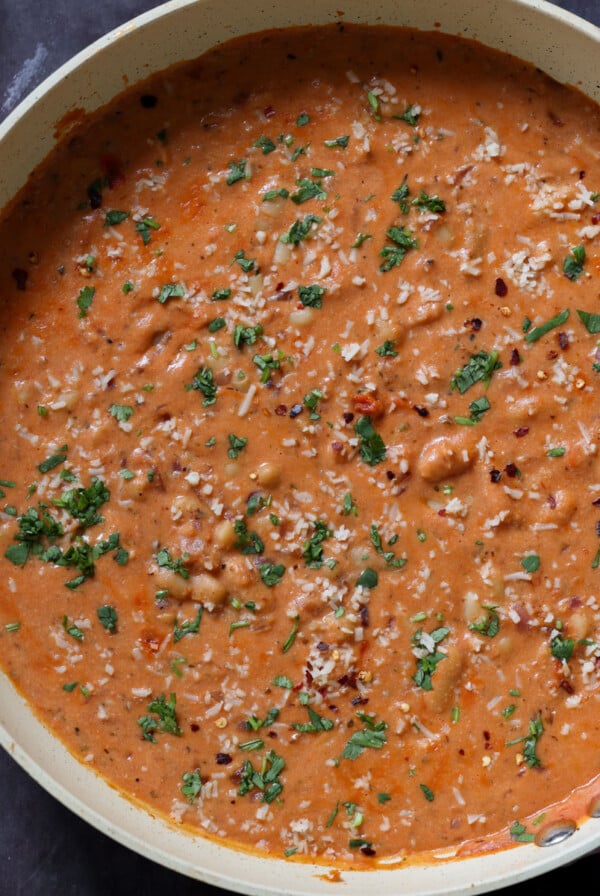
column 265, row 144
column 192, row 785
column 394, row 255
column 308, row 189
column 590, row 321
column 272, row 573
column 372, row 736
column 316, row 723
column 312, row 551
column 311, row 296
column 427, row 655
column 108, row 617
column 220, row 295
column 387, row 349
column 289, row 641
column 530, row 741
column 338, row 141
column 85, row 299
column 265, row 779
column 538, row 332
column 530, row 563
column 204, row 382
column 236, row 444
column 489, row 625
column 371, row 445
column 163, row 720
column 480, row 366
column 246, row 335
column 246, row 264
column 54, row 460
column 237, row 171
column 187, row 627
column 368, row 578
column 574, row 262
column 300, row 229
column 426, row 203
column 562, row 648
column 83, row 503
column 121, row 412
column 145, row 228
column 114, row 217
column 247, row 542
column 169, row 291
column 176, row 565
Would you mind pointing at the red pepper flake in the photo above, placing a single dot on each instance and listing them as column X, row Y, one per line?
column 223, row 758
column 515, row 357
column 595, row 219
column 268, row 111
column 501, row 289
column 348, row 417
column 551, row 501
column 596, row 503
column 511, row 470
column 521, row 431
column 421, row 411
column 475, row 324
column 563, row 341
column 281, row 410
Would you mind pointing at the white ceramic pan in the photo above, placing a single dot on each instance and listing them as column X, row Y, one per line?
column 564, row 46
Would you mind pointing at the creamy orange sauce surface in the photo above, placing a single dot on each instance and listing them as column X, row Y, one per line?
column 299, row 414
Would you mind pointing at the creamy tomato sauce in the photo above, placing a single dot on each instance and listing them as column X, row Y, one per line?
column 299, row 404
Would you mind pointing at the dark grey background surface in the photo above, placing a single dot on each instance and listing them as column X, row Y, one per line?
column 45, row 850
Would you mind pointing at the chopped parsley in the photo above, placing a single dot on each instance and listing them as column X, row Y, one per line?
column 247, row 542
column 426, row 203
column 427, row 655
column 538, row 332
column 175, row 564
column 108, row 617
column 121, row 412
column 368, row 578
column 338, row 141
column 300, row 229
column 192, row 785
column 562, row 648
column 530, row 741
column 480, row 367
column 246, row 335
column 265, row 779
column 574, row 262
column 246, row 264
column 489, row 625
column 371, row 445
column 311, row 296
column 312, row 551
column 145, row 228
column 530, row 563
column 54, row 460
column 204, row 382
column 236, row 445
column 85, row 299
column 187, row 627
column 403, row 241
column 289, row 641
column 170, row 291
column 272, row 573
column 163, row 720
column 83, row 503
column 316, row 723
column 372, row 735
column 237, row 171
column 387, row 349
column 115, row 217
column 308, row 189
column 590, row 321
column 265, row 144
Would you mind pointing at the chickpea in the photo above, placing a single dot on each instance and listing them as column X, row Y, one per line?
column 268, row 474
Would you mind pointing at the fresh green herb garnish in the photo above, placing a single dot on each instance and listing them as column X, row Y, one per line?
column 371, row 445
column 427, row 655
column 311, row 296
column 316, row 723
column 175, row 564
column 192, row 785
column 489, row 625
column 187, row 627
column 590, row 321
column 204, row 382
column 574, row 262
column 300, row 230
column 313, row 548
column 372, row 735
column 237, row 171
column 114, row 217
column 538, row 332
column 145, row 228
column 85, row 299
column 164, row 719
column 170, row 291
column 480, row 366
column 265, row 779
column 108, row 617
column 121, row 412
column 394, row 255
column 272, row 573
